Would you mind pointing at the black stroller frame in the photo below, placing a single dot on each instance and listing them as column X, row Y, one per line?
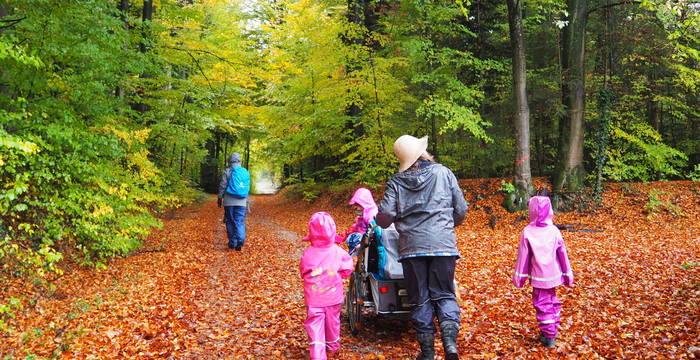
column 368, row 294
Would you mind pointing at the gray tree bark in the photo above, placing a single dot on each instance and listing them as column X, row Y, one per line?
column 570, row 173
column 522, row 178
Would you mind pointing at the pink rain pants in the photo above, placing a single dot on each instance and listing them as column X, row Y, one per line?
column 547, row 306
column 323, row 327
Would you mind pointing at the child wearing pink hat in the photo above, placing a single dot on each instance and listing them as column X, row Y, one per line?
column 323, row 267
column 542, row 258
column 367, row 208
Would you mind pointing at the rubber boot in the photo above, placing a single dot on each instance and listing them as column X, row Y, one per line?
column 549, row 343
column 449, row 330
column 427, row 346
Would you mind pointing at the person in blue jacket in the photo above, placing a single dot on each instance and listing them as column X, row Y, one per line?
column 233, row 195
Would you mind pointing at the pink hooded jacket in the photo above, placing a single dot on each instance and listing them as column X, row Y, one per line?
column 363, row 197
column 542, row 255
column 324, row 264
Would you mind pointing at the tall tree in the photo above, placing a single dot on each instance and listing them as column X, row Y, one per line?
column 146, row 17
column 522, row 177
column 357, row 10
column 570, row 173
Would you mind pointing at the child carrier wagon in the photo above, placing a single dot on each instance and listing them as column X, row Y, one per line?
column 376, row 285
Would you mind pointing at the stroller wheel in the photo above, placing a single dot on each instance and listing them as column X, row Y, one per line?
column 353, row 303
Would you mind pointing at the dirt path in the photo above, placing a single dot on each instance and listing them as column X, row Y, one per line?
column 250, row 305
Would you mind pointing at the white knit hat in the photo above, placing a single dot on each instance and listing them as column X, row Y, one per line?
column 408, row 149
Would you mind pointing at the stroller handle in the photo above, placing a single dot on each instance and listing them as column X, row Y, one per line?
column 364, row 243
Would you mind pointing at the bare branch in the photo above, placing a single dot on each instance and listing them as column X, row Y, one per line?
column 199, row 66
column 10, row 22
column 626, row 2
column 203, row 52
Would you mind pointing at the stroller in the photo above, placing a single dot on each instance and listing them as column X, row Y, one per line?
column 377, row 284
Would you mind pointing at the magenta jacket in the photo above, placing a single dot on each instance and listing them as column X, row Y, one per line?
column 542, row 255
column 324, row 264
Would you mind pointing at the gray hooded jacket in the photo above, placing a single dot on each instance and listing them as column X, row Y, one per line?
column 229, row 200
column 425, row 205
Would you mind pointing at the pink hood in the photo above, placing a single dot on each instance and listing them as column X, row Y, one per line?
column 322, row 230
column 541, row 213
column 363, row 197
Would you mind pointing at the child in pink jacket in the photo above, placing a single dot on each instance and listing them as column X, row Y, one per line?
column 367, row 210
column 323, row 267
column 542, row 259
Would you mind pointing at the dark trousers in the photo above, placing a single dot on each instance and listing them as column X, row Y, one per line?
column 234, row 217
column 430, row 285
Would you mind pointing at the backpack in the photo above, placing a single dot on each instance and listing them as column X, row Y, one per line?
column 238, row 183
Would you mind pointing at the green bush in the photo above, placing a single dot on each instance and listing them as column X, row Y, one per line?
column 638, row 153
column 695, row 174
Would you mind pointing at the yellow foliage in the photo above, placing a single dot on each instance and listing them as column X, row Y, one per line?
column 100, row 210
column 129, row 137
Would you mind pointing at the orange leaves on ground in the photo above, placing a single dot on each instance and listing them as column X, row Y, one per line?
column 636, row 294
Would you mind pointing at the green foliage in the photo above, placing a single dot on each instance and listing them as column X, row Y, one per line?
column 446, row 75
column 507, row 187
column 638, row 154
column 695, row 174
column 311, row 88
column 97, row 136
column 400, row 76
column 308, row 191
column 654, row 205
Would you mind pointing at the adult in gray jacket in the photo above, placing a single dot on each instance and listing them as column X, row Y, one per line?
column 425, row 203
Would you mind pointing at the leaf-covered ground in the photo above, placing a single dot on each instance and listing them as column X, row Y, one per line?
column 186, row 296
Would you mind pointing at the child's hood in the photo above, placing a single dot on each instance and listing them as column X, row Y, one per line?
column 541, row 213
column 363, row 197
column 322, row 231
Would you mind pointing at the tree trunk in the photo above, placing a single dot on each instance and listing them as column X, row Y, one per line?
column 208, row 168
column 570, row 173
column 123, row 7
column 225, row 154
column 182, row 160
column 146, row 17
column 522, row 177
column 356, row 15
column 247, row 152
column 434, row 139
column 4, row 11
column 653, row 111
column 539, row 145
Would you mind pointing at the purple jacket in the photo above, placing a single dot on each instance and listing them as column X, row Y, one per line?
column 542, row 255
